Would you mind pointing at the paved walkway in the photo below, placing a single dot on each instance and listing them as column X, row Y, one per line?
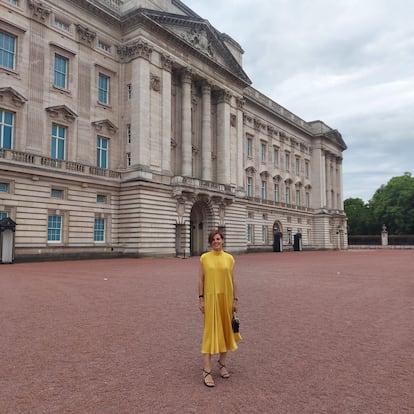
column 324, row 332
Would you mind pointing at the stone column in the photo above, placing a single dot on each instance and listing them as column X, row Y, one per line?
column 206, row 132
column 186, row 149
column 35, row 116
column 166, row 115
column 340, row 185
column 223, row 137
column 327, row 186
column 140, row 54
column 240, row 143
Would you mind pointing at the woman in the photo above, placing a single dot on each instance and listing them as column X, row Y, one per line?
column 218, row 300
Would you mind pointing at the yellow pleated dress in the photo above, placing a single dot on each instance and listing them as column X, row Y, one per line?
column 218, row 334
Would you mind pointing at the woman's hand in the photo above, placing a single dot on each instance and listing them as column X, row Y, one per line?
column 201, row 305
column 235, row 305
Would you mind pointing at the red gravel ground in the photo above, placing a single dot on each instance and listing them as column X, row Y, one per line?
column 324, row 332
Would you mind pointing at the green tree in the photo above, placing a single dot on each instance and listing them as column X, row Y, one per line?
column 393, row 205
column 359, row 219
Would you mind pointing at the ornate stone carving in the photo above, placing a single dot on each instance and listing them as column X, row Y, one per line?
column 15, row 97
column 166, row 62
column 135, row 50
column 223, row 96
column 85, row 35
column 186, row 75
column 155, row 83
column 61, row 111
column 39, row 11
column 240, row 103
column 198, row 38
column 105, row 125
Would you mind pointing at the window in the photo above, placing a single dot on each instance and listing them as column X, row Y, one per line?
column 102, row 152
column 58, row 142
column 128, row 133
column 7, row 50
column 4, row 187
column 56, row 193
column 104, row 46
column 263, row 191
column 249, row 187
column 103, row 89
column 287, row 195
column 54, row 228
column 14, row 2
column 306, row 169
column 61, row 25
column 297, row 166
column 287, row 161
column 99, row 230
column 307, row 199
column 129, row 91
column 276, row 192
column 298, row 197
column 61, row 72
column 276, row 157
column 101, row 198
column 128, row 159
column 264, row 234
column 249, row 234
column 3, row 215
column 263, row 152
column 6, row 129
column 249, row 147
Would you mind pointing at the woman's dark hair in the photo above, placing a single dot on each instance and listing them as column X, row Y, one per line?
column 213, row 233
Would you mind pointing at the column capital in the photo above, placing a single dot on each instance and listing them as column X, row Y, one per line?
column 186, row 75
column 206, row 87
column 240, row 101
column 166, row 62
column 223, row 96
column 134, row 50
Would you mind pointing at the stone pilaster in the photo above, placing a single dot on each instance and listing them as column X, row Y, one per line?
column 186, row 155
column 206, row 132
column 140, row 115
column 240, row 143
column 223, row 137
column 166, row 63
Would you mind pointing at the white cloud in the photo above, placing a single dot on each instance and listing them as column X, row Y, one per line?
column 349, row 63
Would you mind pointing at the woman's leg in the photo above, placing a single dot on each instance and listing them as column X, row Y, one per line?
column 208, row 378
column 222, row 365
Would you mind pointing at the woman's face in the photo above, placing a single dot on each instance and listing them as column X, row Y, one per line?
column 217, row 242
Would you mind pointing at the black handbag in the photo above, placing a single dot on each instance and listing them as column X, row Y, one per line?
column 235, row 323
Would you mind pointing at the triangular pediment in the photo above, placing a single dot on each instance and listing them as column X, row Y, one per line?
column 7, row 224
column 62, row 111
column 16, row 98
column 105, row 126
column 199, row 35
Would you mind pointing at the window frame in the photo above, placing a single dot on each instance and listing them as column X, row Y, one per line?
column 104, row 90
column 58, row 143
column 99, row 233
column 60, row 72
column 6, row 126
column 53, row 229
column 7, row 52
column 100, row 150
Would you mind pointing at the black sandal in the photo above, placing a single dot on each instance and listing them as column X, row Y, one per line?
column 221, row 366
column 208, row 383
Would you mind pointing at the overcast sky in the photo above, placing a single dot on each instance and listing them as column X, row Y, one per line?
column 349, row 63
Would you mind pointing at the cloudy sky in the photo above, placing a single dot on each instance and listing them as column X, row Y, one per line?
column 349, row 63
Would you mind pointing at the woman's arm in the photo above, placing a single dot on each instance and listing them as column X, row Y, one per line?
column 201, row 289
column 235, row 297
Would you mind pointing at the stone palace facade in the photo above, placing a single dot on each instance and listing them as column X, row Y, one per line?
column 129, row 127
